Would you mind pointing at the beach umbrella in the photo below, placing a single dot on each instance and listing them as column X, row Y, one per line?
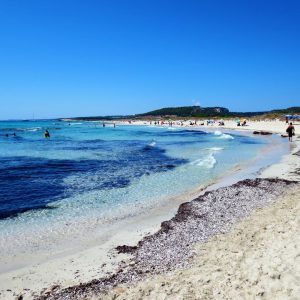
column 295, row 117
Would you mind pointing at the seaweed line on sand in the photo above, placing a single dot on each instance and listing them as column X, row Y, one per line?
column 172, row 246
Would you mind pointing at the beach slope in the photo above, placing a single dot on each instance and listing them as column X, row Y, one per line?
column 260, row 258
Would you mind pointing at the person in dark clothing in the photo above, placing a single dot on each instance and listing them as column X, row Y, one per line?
column 47, row 134
column 290, row 131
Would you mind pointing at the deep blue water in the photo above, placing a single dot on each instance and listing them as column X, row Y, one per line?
column 32, row 182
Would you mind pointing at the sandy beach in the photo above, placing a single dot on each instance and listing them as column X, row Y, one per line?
column 237, row 258
column 273, row 126
column 259, row 259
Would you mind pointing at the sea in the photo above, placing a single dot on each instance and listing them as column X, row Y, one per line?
column 87, row 176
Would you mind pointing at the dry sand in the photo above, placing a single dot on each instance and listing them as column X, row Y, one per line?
column 270, row 126
column 274, row 126
column 259, row 259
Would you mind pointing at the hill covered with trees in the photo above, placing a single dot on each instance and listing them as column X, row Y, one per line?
column 189, row 111
column 196, row 112
column 206, row 112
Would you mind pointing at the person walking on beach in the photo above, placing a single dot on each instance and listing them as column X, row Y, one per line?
column 290, row 131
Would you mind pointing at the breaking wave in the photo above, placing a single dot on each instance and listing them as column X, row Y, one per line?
column 215, row 149
column 207, row 162
column 222, row 135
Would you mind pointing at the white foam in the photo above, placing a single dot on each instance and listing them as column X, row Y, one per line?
column 34, row 129
column 29, row 129
column 226, row 136
column 207, row 162
column 215, row 149
column 217, row 132
column 222, row 135
column 152, row 144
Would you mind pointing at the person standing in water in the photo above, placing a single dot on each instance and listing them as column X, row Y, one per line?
column 47, row 134
column 290, row 131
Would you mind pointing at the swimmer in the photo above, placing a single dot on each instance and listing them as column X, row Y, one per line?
column 47, row 134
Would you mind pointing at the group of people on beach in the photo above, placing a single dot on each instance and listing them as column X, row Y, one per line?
column 290, row 129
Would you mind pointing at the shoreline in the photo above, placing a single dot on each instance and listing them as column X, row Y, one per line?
column 94, row 253
column 172, row 248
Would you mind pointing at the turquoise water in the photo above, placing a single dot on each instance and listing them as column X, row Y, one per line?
column 86, row 174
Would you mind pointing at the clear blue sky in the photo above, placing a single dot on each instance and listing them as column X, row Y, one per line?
column 62, row 58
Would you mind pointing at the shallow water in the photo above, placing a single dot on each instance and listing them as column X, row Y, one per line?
column 86, row 175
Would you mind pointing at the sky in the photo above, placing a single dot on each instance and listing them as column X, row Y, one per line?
column 67, row 58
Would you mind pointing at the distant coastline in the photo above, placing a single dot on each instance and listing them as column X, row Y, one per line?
column 194, row 112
